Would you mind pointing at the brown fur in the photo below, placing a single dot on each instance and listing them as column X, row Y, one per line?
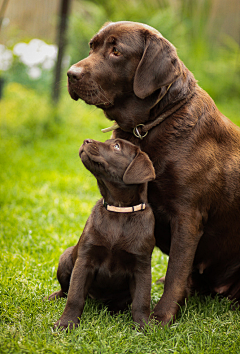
column 112, row 260
column 195, row 151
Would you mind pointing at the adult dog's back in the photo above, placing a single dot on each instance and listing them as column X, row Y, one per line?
column 136, row 77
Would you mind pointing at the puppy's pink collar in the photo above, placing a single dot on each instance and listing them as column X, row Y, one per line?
column 131, row 209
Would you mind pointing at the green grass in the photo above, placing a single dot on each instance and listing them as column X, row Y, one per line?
column 46, row 197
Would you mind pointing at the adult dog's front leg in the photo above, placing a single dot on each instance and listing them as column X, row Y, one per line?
column 79, row 285
column 186, row 231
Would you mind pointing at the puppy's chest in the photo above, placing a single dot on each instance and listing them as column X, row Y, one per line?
column 118, row 243
column 111, row 260
column 116, row 249
column 125, row 232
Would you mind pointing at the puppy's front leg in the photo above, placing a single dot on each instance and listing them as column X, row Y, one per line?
column 80, row 282
column 140, row 287
column 64, row 272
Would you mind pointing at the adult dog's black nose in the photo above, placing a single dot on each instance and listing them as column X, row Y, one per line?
column 75, row 74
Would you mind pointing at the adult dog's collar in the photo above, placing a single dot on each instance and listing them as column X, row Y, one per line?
column 135, row 129
column 141, row 130
column 131, row 209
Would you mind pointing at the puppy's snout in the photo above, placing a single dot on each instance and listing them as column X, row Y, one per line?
column 87, row 141
column 75, row 74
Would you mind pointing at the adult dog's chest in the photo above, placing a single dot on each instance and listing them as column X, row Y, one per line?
column 165, row 190
column 170, row 157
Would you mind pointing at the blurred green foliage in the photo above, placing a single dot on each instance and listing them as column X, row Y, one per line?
column 19, row 73
column 25, row 115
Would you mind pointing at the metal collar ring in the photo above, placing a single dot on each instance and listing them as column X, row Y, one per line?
column 137, row 133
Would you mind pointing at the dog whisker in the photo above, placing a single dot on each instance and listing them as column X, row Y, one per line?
column 103, row 93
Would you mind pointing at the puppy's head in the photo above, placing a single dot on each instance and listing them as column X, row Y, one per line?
column 117, row 161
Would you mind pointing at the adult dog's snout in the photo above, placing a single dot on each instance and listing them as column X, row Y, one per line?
column 75, row 74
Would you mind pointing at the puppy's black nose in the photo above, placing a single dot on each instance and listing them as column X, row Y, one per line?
column 75, row 74
column 87, row 141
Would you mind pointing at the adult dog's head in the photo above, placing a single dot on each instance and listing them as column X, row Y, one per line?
column 131, row 67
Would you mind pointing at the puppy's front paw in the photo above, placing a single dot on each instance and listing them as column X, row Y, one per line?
column 56, row 295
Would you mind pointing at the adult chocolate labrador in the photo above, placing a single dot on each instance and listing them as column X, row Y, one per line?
column 136, row 77
column 112, row 260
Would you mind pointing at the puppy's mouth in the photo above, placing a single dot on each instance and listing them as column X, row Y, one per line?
column 93, row 162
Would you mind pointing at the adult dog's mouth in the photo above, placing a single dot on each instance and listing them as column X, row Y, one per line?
column 73, row 95
column 91, row 98
column 90, row 93
column 104, row 105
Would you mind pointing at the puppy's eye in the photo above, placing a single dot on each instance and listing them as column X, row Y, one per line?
column 117, row 147
column 116, row 52
column 90, row 45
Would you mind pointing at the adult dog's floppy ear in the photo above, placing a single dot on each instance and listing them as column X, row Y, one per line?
column 140, row 170
column 159, row 66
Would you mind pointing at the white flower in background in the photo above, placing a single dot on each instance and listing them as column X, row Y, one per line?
column 6, row 58
column 35, row 52
column 34, row 72
column 36, row 55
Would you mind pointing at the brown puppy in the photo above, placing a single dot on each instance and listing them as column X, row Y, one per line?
column 112, row 260
column 136, row 77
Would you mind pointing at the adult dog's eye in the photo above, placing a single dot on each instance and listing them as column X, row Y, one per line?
column 116, row 51
column 117, row 146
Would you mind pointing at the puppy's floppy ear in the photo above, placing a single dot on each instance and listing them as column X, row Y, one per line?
column 140, row 170
column 159, row 66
